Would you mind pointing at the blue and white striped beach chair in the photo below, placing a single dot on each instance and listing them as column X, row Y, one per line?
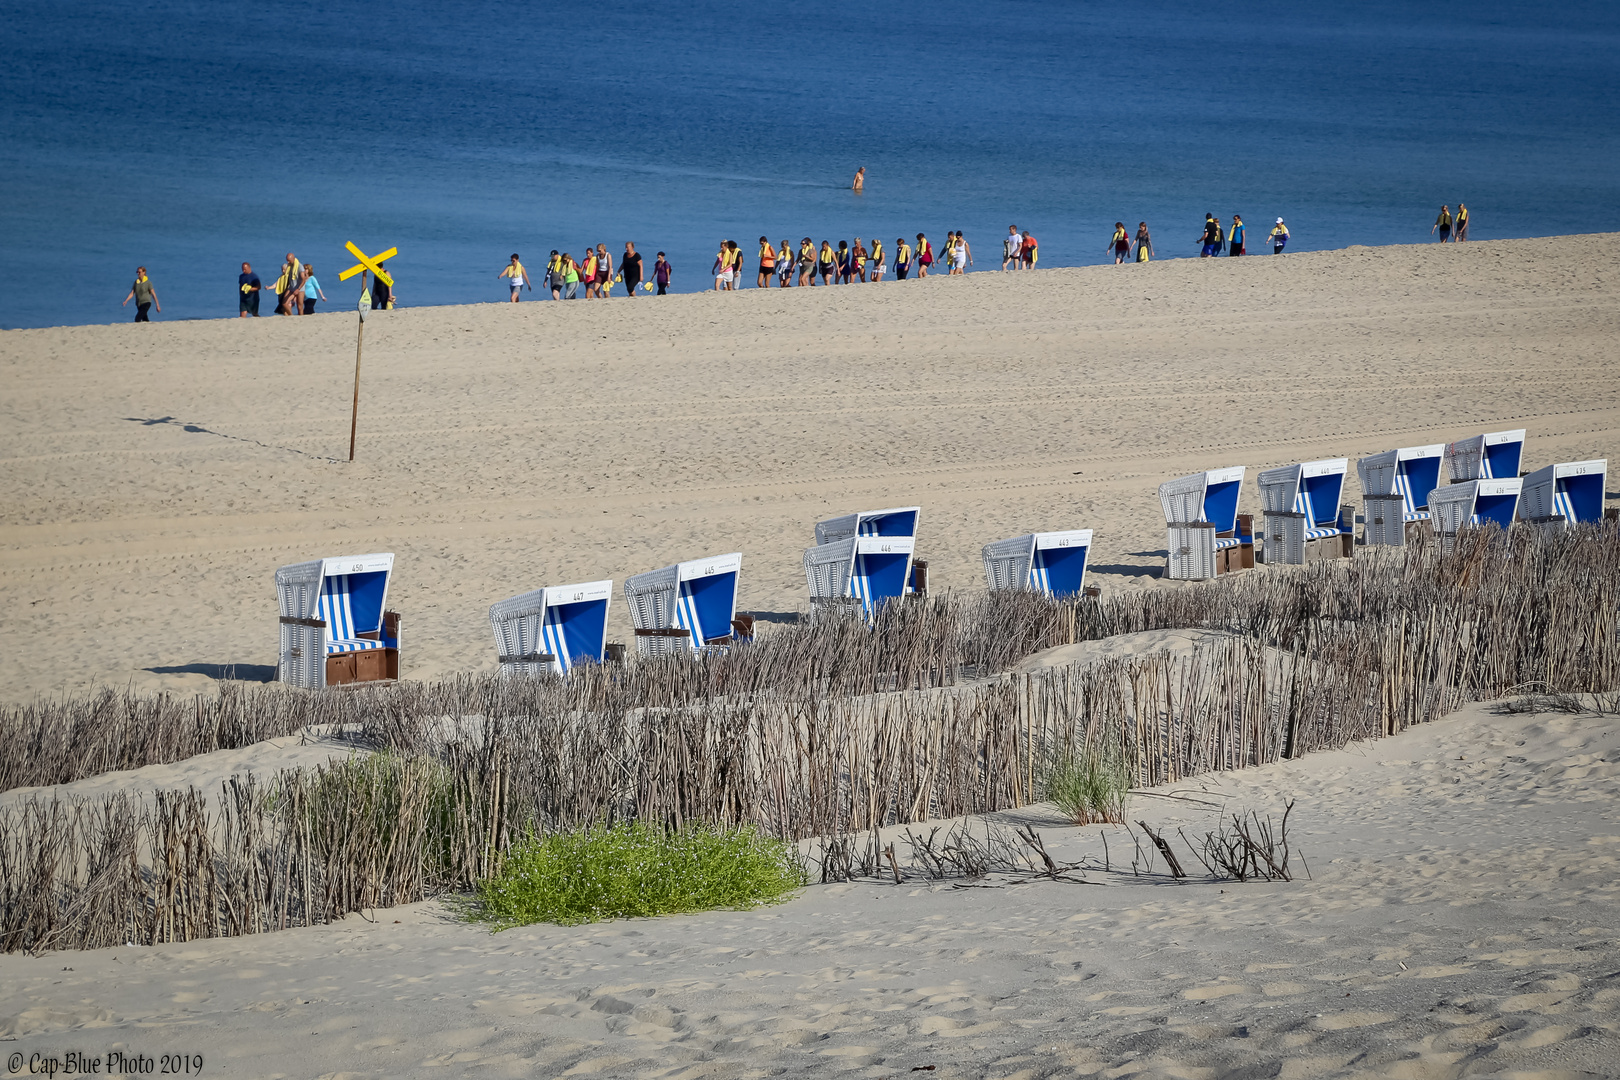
column 1564, row 495
column 1053, row 563
column 1473, row 503
column 861, row 572
column 1492, row 456
column 335, row 626
column 685, row 607
column 1303, row 513
column 900, row 521
column 1205, row 533
column 551, row 630
column 1395, row 487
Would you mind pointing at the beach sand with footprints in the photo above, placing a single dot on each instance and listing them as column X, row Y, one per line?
column 155, row 476
column 1459, row 915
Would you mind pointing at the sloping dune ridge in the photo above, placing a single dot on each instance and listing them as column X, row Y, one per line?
column 155, row 476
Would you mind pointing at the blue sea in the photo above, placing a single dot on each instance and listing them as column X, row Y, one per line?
column 192, row 136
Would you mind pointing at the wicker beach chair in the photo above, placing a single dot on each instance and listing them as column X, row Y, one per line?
column 1472, row 503
column 686, row 607
column 858, row 573
column 551, row 630
column 1303, row 516
column 1205, row 533
column 899, row 521
column 335, row 628
column 1567, row 494
column 1395, row 487
column 1053, row 563
column 1492, row 456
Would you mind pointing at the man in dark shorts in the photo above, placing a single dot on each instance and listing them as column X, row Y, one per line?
column 248, row 287
column 382, row 294
column 630, row 268
column 1212, row 236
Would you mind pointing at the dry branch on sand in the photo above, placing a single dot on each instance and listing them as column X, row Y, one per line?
column 825, row 730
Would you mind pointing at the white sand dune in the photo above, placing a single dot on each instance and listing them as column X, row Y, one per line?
column 155, row 476
column 1463, row 919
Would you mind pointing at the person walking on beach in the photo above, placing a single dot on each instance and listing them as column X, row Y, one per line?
column 1144, row 243
column 857, row 261
column 1030, row 251
column 826, row 262
column 722, row 268
column 878, row 266
column 1212, row 232
column 1234, row 243
column 630, row 269
column 784, row 265
column 604, row 272
column 662, row 273
column 859, row 184
column 570, row 274
column 1012, row 249
column 249, row 287
column 842, row 266
column 925, row 256
column 1442, row 224
column 961, row 254
column 587, row 273
column 1279, row 237
column 902, row 258
column 767, row 263
column 144, row 293
column 516, row 277
column 807, row 262
column 554, row 274
column 312, row 289
column 1462, row 223
column 1120, row 245
column 291, row 271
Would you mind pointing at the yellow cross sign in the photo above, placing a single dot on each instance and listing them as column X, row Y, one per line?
column 369, row 262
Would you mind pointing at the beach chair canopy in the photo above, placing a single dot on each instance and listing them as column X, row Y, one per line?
column 900, row 521
column 1052, row 562
column 1573, row 491
column 349, row 594
column 1412, row 473
column 870, row 569
column 1475, row 502
column 1312, row 488
column 1207, row 496
column 699, row 597
column 556, row 627
column 1493, row 456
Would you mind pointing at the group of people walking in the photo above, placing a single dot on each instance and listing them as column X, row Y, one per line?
column 297, row 290
column 1216, row 239
column 1450, row 228
column 808, row 264
column 564, row 274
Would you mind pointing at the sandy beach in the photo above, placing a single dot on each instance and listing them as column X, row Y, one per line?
column 157, row 475
column 1459, row 920
column 1457, row 914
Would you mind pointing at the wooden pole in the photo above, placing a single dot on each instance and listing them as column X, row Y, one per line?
column 359, row 343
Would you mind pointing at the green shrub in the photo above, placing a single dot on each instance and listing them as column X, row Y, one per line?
column 632, row 870
column 1090, row 786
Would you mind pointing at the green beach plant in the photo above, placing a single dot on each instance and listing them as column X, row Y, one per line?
column 635, row 871
column 1092, row 785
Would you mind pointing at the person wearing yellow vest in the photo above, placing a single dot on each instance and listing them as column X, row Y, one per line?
column 784, row 265
column 516, row 277
column 857, row 260
column 1442, row 224
column 1121, row 243
column 144, row 293
column 1462, row 222
column 767, row 263
column 587, row 273
column 571, row 275
column 807, row 262
column 878, row 265
column 902, row 258
column 925, row 256
column 554, row 274
column 826, row 261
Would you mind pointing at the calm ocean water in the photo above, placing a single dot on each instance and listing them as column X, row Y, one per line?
column 192, row 136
